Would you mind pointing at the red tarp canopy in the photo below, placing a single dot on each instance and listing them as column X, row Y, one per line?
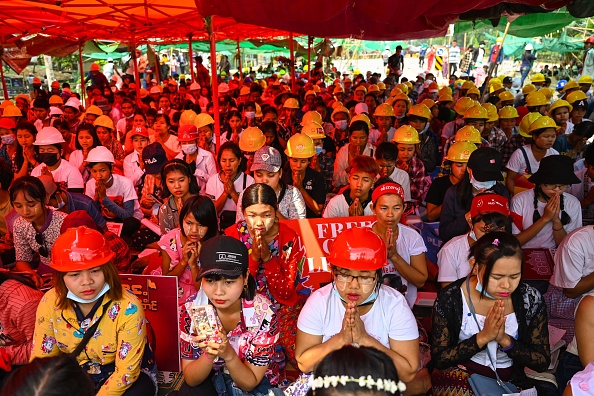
column 361, row 19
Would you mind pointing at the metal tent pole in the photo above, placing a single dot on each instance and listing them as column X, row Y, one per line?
column 82, row 72
column 291, row 49
column 191, row 56
column 215, row 83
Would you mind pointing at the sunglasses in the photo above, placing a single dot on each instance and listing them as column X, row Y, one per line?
column 41, row 241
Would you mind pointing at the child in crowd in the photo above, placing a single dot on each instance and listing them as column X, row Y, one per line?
column 358, row 145
column 386, row 156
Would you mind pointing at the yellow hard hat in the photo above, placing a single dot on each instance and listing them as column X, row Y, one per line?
column 187, row 117
column 409, row 85
column 473, row 90
column 526, row 122
column 55, row 100
column 467, row 85
column 300, row 145
column 12, row 111
column 340, row 109
column 445, row 90
column 542, row 123
column 576, row 96
column 463, row 104
column 401, row 96
column 244, row 91
column 585, row 80
column 292, row 103
column 95, row 110
column 506, row 96
column 395, row 91
column 491, row 112
column 317, row 89
column 406, row 134
column 528, row 88
column 311, row 116
column 445, row 97
column 338, row 89
column 203, row 119
column 104, row 121
column 361, row 117
column 548, row 92
column 495, row 80
column 558, row 104
column 496, row 87
column 310, row 92
column 536, row 98
column 403, row 88
column 258, row 111
column 381, row 86
column 251, row 139
column 508, row 112
column 571, row 84
column 373, row 88
column 468, row 134
column 460, row 151
column 429, row 103
column 538, row 78
column 420, row 110
column 356, row 72
column 7, row 103
column 361, row 88
column 384, row 110
column 314, row 130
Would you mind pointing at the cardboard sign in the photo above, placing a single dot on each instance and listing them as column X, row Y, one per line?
column 158, row 295
column 538, row 264
column 317, row 236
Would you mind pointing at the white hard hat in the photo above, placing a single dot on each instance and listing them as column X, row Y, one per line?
column 100, row 154
column 47, row 136
column 155, row 90
column 361, row 108
column 110, row 59
column 223, row 88
column 259, row 76
column 73, row 102
column 528, row 47
column 55, row 111
column 194, row 86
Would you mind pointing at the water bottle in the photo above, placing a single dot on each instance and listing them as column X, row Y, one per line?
column 279, row 359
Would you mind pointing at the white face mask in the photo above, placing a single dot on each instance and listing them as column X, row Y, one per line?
column 479, row 185
column 250, row 114
column 189, row 148
column 8, row 139
column 341, row 124
column 76, row 298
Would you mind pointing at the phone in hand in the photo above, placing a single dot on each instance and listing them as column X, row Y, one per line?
column 204, row 322
column 155, row 198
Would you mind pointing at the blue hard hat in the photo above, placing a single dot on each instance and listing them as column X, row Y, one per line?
column 561, row 84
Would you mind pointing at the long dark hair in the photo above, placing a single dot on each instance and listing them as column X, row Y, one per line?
column 248, row 293
column 205, row 213
column 464, row 191
column 19, row 158
column 181, row 167
column 31, row 186
column 91, row 129
column 565, row 218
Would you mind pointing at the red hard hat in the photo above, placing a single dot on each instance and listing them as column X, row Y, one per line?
column 590, row 40
column 78, row 249
column 358, row 249
column 187, row 133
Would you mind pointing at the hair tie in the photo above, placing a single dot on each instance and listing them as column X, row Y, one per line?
column 496, row 242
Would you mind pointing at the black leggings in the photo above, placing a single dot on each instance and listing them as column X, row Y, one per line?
column 143, row 386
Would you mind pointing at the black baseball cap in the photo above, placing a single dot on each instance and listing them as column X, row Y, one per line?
column 223, row 255
column 154, row 157
column 485, row 163
column 41, row 103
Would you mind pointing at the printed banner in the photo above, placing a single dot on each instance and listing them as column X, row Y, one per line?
column 158, row 295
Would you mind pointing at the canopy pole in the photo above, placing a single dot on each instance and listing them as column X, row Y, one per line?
column 309, row 40
column 136, row 73
column 4, row 87
column 240, row 63
column 492, row 65
column 191, row 56
column 215, row 83
column 82, row 71
column 293, row 80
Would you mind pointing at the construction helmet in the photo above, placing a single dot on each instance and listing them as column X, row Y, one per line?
column 251, row 140
column 476, row 112
column 506, row 96
column 558, row 104
column 409, row 85
column 187, row 117
column 445, row 90
column 542, row 123
column 258, row 111
column 467, row 85
column 361, row 88
column 94, row 67
column 311, row 116
column 571, row 84
column 473, row 90
column 468, row 134
column 463, row 104
column 316, row 89
column 460, row 151
column 528, row 88
column 395, row 91
column 538, row 78
column 55, row 100
column 402, row 96
column 508, row 112
column 340, row 109
column 94, row 110
column 536, row 98
column 420, row 110
column 493, row 88
column 293, row 103
column 104, row 121
column 585, row 80
column 187, row 133
column 12, row 111
column 384, row 110
column 491, row 112
column 403, row 88
column 547, row 92
column 358, row 249
column 203, row 119
column 381, row 86
column 244, row 91
column 590, row 40
column 373, row 88
column 310, row 92
column 445, row 97
column 573, row 97
column 314, row 130
column 300, row 145
column 526, row 122
column 429, row 103
column 406, row 134
column 338, row 89
column 80, row 248
column 100, row 154
column 361, row 117
column 48, row 136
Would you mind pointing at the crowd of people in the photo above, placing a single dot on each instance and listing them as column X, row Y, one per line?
column 150, row 184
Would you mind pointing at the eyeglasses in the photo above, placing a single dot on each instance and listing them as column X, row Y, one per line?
column 41, row 241
column 362, row 280
column 556, row 186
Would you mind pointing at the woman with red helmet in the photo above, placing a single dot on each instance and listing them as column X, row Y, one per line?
column 89, row 314
column 356, row 308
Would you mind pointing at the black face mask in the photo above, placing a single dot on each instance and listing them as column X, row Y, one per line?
column 50, row 159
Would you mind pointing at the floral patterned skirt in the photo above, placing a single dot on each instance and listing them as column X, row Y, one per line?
column 287, row 320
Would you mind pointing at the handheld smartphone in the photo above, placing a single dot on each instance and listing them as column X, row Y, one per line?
column 156, row 199
column 204, row 322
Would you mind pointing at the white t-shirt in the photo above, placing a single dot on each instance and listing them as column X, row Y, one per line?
column 132, row 167
column 452, row 259
column 517, row 163
column 205, row 166
column 401, row 177
column 375, row 134
column 338, row 207
column 523, row 205
column 65, row 174
column 76, row 158
column 121, row 191
column 574, row 259
column 389, row 317
column 409, row 243
column 577, row 189
column 215, row 187
column 341, row 177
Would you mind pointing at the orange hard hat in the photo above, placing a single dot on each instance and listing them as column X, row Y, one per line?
column 358, row 249
column 80, row 248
